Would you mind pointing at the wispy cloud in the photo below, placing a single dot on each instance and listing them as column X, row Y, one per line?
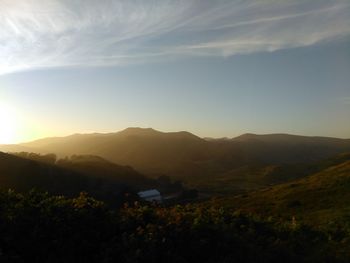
column 61, row 33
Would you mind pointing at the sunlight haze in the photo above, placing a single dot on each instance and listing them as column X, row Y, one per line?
column 9, row 124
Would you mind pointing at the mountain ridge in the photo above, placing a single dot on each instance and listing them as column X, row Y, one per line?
column 135, row 130
column 187, row 157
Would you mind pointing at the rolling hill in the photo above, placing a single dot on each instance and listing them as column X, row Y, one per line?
column 214, row 165
column 319, row 199
column 101, row 178
column 145, row 149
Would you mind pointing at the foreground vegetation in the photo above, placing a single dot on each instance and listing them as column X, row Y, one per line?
column 303, row 220
column 37, row 227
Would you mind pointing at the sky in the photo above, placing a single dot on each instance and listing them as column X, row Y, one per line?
column 214, row 68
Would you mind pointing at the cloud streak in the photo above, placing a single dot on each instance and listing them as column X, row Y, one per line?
column 75, row 33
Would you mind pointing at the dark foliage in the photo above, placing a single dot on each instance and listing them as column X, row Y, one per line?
column 36, row 227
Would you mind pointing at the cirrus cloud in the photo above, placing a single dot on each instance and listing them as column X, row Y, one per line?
column 74, row 33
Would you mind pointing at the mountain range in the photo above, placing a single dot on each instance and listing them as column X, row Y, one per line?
column 248, row 161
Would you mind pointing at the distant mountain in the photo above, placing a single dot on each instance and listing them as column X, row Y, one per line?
column 221, row 163
column 285, row 148
column 102, row 179
column 16, row 148
column 145, row 149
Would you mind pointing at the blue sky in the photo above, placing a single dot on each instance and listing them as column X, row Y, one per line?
column 215, row 69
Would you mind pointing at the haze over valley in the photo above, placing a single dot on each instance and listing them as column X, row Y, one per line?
column 226, row 165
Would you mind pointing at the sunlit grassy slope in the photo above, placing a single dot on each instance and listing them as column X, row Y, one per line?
column 319, row 199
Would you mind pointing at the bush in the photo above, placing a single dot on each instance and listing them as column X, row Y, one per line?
column 37, row 227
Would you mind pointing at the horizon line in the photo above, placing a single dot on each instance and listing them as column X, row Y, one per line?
column 179, row 131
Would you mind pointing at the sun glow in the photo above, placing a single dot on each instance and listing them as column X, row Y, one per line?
column 9, row 124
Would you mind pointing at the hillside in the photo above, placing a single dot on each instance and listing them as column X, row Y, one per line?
column 103, row 179
column 286, row 148
column 145, row 149
column 318, row 199
column 220, row 166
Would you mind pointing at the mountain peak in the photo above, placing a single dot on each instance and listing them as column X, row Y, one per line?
column 153, row 132
column 138, row 130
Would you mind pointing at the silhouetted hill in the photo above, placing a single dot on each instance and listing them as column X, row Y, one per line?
column 99, row 177
column 145, row 149
column 102, row 169
column 216, row 165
